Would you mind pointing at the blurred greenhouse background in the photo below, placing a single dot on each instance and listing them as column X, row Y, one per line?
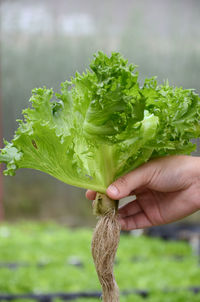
column 46, row 42
column 43, row 43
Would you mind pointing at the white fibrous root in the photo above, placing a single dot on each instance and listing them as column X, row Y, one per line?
column 104, row 245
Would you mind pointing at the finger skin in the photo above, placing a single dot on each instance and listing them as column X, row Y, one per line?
column 137, row 221
column 137, row 178
column 167, row 190
column 155, row 175
column 155, row 208
column 129, row 209
column 90, row 194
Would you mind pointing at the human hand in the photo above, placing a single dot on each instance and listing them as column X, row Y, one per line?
column 167, row 189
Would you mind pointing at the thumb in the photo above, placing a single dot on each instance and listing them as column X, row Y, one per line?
column 137, row 178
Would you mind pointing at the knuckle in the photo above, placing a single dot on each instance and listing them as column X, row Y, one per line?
column 121, row 182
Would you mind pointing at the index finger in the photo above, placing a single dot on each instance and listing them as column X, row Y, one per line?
column 90, row 194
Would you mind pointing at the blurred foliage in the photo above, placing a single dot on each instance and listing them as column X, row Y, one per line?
column 46, row 42
column 52, row 258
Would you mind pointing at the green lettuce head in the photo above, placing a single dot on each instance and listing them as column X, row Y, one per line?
column 102, row 125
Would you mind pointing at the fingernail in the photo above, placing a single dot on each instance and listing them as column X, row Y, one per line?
column 113, row 190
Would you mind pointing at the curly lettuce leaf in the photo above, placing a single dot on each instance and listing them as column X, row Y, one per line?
column 102, row 125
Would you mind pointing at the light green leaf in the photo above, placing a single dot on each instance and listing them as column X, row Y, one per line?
column 102, row 125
